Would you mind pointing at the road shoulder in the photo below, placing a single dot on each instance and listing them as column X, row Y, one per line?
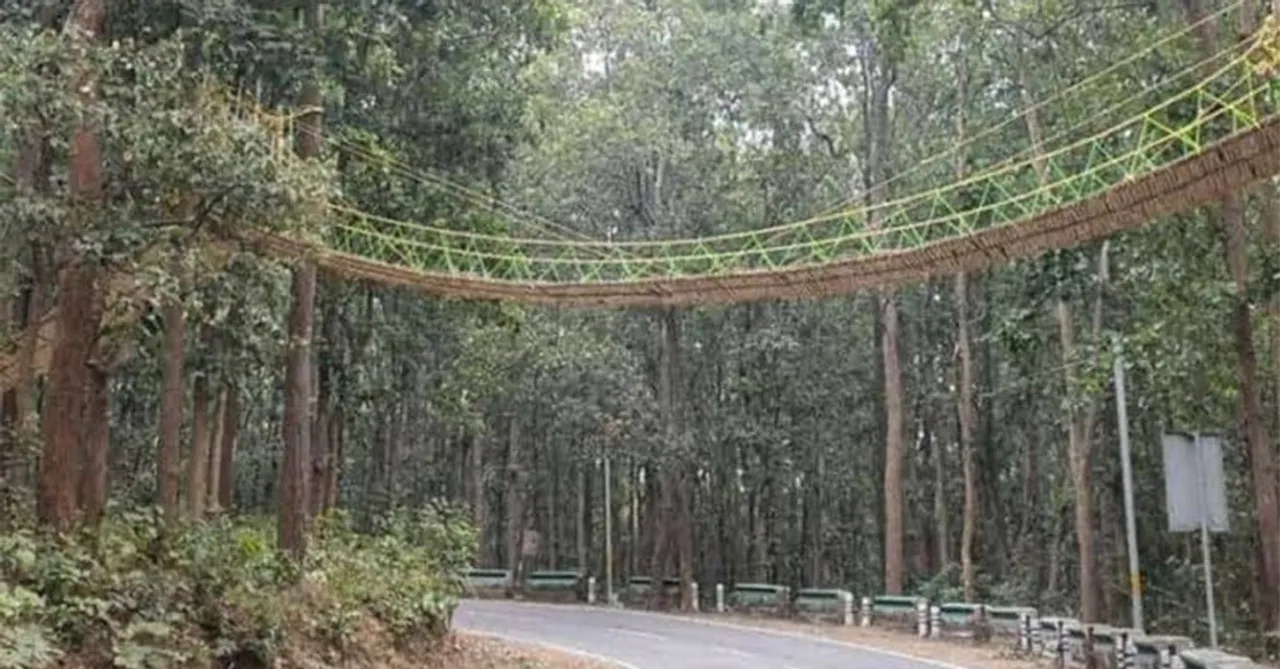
column 476, row 650
column 949, row 653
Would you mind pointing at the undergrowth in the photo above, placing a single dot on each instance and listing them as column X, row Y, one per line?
column 218, row 593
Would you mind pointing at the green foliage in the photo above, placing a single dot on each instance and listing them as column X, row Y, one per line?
column 136, row 597
column 426, row 549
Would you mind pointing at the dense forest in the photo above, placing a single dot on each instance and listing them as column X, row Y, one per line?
column 956, row 438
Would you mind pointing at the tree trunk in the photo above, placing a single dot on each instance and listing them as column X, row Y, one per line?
column 335, row 467
column 168, row 458
column 12, row 447
column 32, row 167
column 580, row 518
column 479, row 501
column 97, row 440
column 874, row 183
column 1271, row 234
column 1261, row 458
column 61, row 463
column 941, row 524
column 321, row 458
column 227, row 449
column 514, row 496
column 198, row 462
column 296, row 461
column 214, row 462
column 678, row 514
column 297, row 404
column 24, row 388
column 1078, row 445
column 965, row 412
column 79, row 315
column 895, row 451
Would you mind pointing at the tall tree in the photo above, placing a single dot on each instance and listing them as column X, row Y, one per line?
column 298, row 390
column 80, row 308
column 1230, row 219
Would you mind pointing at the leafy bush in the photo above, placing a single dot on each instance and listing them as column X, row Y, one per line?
column 132, row 596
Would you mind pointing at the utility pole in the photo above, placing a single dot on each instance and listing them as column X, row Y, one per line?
column 1126, row 470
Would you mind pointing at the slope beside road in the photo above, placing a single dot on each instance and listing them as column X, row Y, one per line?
column 637, row 640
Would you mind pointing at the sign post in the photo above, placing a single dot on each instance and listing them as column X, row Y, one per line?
column 1196, row 499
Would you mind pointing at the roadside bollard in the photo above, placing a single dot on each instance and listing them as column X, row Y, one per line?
column 591, row 589
column 1128, row 652
column 935, row 621
column 848, row 607
column 719, row 598
column 1060, row 644
column 693, row 591
column 922, row 618
column 1025, row 633
column 866, row 612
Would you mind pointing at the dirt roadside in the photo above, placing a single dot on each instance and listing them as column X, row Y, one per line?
column 472, row 651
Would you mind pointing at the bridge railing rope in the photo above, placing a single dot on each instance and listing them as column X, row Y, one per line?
column 1233, row 98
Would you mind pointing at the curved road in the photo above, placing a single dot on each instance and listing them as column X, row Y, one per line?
column 638, row 640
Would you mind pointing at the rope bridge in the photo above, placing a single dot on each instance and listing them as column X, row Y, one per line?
column 1207, row 131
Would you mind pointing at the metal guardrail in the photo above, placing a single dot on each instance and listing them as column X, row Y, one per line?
column 1066, row 640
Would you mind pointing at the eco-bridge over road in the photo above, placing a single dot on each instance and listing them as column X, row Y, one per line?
column 638, row 640
column 1207, row 130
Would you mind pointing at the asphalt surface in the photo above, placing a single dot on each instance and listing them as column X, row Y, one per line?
column 637, row 640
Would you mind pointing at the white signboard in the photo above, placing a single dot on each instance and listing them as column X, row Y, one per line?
column 1194, row 487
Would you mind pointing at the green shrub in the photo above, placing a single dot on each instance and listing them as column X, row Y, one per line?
column 132, row 596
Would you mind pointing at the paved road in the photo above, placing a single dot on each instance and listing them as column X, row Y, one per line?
column 637, row 640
